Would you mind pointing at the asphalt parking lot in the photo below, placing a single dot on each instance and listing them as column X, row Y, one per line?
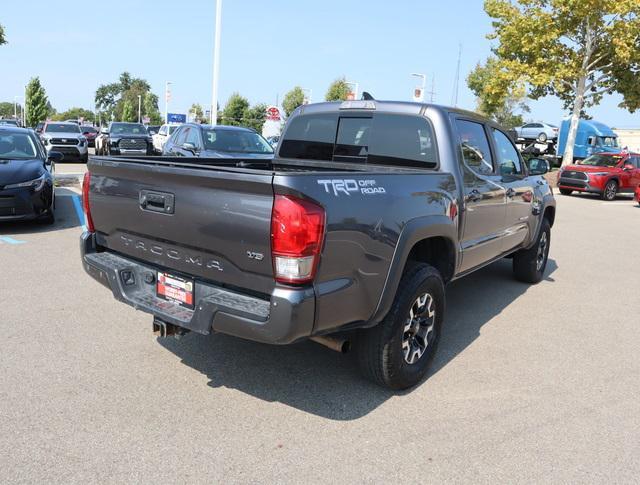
column 531, row 384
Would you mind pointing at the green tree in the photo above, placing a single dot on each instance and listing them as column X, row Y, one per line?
column 74, row 114
column 111, row 98
column 254, row 117
column 338, row 90
column 504, row 106
column 198, row 114
column 7, row 109
column 36, row 102
column 129, row 113
column 233, row 112
column 575, row 50
column 292, row 100
column 3, row 39
column 150, row 108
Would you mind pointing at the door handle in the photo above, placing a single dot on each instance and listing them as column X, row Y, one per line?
column 511, row 193
column 474, row 196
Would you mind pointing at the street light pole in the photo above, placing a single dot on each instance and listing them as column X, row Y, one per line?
column 216, row 64
column 139, row 105
column 423, row 85
column 24, row 108
column 166, row 101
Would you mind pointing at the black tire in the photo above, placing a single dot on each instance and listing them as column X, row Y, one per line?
column 610, row 190
column 529, row 264
column 85, row 158
column 542, row 137
column 566, row 191
column 380, row 350
column 49, row 218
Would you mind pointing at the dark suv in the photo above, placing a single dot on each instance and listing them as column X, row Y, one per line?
column 122, row 138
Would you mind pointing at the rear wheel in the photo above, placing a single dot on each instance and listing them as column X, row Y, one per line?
column 610, row 190
column 397, row 352
column 566, row 191
column 542, row 137
column 529, row 264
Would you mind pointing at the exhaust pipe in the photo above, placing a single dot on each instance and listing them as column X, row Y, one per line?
column 338, row 344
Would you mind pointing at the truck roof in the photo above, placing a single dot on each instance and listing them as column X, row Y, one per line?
column 599, row 128
column 404, row 107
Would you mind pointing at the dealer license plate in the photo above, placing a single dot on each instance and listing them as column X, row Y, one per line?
column 176, row 289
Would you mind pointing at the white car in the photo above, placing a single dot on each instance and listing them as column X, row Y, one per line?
column 162, row 136
column 538, row 131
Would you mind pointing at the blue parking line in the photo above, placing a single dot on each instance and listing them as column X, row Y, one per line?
column 77, row 203
column 10, row 240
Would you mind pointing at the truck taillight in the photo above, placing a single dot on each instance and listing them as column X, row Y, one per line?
column 297, row 231
column 86, row 182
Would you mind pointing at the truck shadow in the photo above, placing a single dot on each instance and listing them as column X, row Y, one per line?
column 66, row 217
column 313, row 379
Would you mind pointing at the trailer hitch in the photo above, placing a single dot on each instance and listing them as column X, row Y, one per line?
column 163, row 329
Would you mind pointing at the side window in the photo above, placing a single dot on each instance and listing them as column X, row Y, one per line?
column 180, row 136
column 508, row 159
column 475, row 147
column 528, row 125
column 163, row 130
column 193, row 137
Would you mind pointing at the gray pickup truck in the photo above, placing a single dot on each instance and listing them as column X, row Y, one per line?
column 348, row 236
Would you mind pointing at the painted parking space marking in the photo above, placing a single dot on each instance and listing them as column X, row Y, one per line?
column 77, row 204
column 10, row 240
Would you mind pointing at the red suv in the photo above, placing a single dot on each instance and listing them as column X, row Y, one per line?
column 603, row 173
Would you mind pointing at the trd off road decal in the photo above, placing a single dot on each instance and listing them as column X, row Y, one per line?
column 350, row 186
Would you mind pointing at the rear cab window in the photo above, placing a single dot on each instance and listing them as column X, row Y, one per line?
column 374, row 138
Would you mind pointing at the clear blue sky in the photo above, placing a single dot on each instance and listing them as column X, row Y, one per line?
column 267, row 48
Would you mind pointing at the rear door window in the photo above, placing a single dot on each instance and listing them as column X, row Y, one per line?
column 475, row 146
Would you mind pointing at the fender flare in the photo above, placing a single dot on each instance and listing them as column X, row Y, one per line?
column 414, row 231
column 547, row 201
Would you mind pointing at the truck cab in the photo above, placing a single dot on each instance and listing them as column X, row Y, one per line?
column 591, row 137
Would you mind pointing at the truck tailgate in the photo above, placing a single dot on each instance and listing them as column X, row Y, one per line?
column 202, row 222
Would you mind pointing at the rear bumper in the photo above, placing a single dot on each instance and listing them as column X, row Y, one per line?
column 286, row 317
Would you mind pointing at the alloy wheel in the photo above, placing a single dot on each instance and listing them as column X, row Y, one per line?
column 542, row 251
column 419, row 328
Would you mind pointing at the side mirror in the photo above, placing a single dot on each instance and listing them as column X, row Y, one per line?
column 190, row 147
column 55, row 157
column 538, row 166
